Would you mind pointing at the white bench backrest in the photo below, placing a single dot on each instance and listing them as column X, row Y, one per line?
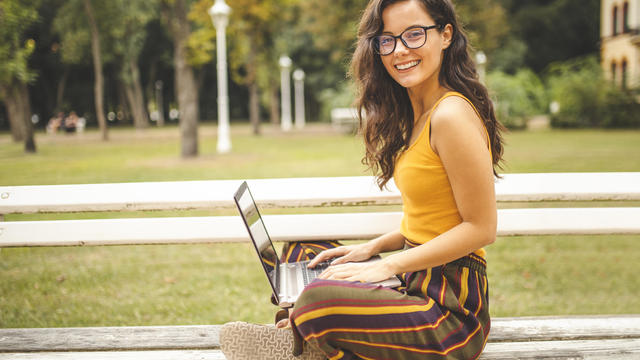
column 296, row 192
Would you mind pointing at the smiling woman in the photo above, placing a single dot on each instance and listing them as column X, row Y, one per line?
column 431, row 126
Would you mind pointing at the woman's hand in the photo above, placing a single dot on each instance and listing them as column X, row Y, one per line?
column 344, row 254
column 364, row 272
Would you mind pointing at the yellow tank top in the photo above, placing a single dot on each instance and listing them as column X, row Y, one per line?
column 429, row 208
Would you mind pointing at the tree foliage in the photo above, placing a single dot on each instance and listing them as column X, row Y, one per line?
column 16, row 16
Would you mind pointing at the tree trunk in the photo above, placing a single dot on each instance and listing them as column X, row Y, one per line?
column 16, row 97
column 13, row 113
column 62, row 84
column 135, row 97
column 187, row 92
column 25, row 104
column 275, row 105
column 97, row 69
column 254, row 107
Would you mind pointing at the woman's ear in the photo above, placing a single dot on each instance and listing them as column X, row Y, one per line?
column 447, row 36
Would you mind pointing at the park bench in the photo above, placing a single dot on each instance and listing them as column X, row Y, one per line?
column 559, row 337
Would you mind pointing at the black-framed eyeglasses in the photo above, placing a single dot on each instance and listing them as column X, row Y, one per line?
column 412, row 38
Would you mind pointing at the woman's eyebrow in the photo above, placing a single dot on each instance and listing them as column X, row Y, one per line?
column 405, row 29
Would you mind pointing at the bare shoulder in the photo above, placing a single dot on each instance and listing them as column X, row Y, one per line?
column 456, row 117
column 455, row 109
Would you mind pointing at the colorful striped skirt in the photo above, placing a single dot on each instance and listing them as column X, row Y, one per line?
column 438, row 313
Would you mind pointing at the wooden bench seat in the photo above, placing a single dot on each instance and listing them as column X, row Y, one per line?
column 618, row 337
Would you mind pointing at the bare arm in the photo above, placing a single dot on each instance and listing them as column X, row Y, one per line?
column 343, row 254
column 459, row 139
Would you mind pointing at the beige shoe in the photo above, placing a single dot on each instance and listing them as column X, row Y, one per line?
column 245, row 341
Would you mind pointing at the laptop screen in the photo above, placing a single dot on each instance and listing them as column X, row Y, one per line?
column 258, row 232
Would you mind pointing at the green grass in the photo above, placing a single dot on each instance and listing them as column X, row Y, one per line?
column 212, row 284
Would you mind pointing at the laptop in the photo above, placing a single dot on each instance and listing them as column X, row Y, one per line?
column 287, row 280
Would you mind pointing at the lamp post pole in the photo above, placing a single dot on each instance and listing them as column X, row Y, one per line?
column 285, row 92
column 298, row 86
column 481, row 60
column 219, row 13
column 159, row 105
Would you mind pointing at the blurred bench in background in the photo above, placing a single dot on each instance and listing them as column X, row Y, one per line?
column 360, row 213
column 344, row 120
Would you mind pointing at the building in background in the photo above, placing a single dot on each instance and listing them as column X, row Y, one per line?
column 620, row 41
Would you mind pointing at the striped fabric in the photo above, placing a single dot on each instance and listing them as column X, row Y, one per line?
column 439, row 313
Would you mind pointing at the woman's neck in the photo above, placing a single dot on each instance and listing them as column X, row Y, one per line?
column 423, row 97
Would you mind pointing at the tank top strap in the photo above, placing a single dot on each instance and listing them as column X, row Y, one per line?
column 455, row 93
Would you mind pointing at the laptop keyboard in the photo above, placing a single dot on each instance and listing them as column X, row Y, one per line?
column 309, row 274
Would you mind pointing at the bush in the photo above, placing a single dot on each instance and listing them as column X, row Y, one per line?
column 517, row 97
column 341, row 97
column 622, row 109
column 587, row 99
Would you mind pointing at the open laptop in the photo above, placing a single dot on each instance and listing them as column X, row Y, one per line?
column 287, row 280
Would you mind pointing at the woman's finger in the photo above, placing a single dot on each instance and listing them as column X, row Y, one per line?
column 340, row 260
column 324, row 255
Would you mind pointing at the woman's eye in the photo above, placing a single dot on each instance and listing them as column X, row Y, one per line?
column 414, row 34
column 385, row 41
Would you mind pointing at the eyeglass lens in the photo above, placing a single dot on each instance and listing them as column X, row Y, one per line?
column 412, row 38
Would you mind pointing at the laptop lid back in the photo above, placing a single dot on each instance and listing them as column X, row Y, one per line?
column 258, row 234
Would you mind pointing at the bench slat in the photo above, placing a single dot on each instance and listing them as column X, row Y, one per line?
column 605, row 349
column 548, row 328
column 307, row 227
column 296, row 192
column 207, row 336
column 622, row 349
column 119, row 338
column 119, row 355
column 182, row 195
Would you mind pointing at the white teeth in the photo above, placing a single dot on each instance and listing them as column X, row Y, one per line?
column 407, row 65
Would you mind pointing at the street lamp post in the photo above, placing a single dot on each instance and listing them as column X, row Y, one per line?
column 285, row 92
column 159, row 105
column 219, row 13
column 298, row 86
column 481, row 60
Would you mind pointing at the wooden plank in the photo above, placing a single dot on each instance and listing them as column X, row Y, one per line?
column 570, row 350
column 568, row 221
column 290, row 192
column 207, row 336
column 296, row 192
column 564, row 328
column 193, row 229
column 119, row 338
column 569, row 186
column 622, row 349
column 118, row 355
column 305, row 227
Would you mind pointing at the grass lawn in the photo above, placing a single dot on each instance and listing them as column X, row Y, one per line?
column 212, row 284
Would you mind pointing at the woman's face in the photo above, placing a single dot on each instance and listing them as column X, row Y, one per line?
column 412, row 67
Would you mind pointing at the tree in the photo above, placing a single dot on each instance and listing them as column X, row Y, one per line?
column 555, row 30
column 15, row 18
column 175, row 14
column 77, row 24
column 97, row 68
column 127, row 32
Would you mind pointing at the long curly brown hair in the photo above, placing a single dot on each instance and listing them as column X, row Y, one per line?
column 385, row 104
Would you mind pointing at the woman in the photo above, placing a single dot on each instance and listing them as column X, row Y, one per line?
column 431, row 126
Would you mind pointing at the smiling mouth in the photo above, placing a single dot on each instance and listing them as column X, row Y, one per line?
column 407, row 65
